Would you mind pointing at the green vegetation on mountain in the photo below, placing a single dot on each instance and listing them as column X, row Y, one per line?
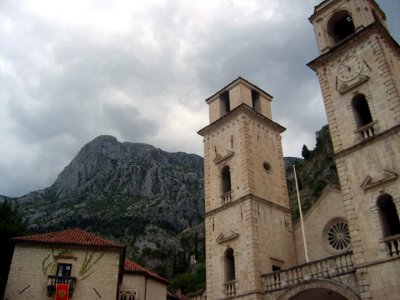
column 153, row 201
column 11, row 225
column 314, row 172
column 133, row 193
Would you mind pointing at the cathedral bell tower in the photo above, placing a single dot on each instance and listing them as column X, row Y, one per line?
column 359, row 73
column 247, row 216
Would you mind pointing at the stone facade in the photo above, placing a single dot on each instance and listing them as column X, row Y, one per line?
column 359, row 76
column 31, row 265
column 327, row 211
column 353, row 232
column 144, row 288
column 252, row 216
column 93, row 268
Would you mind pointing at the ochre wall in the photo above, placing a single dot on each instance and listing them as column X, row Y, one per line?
column 28, row 268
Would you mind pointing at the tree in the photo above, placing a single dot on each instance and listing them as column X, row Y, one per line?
column 11, row 225
column 305, row 152
column 196, row 246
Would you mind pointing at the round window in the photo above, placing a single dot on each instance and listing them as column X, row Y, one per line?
column 267, row 167
column 339, row 236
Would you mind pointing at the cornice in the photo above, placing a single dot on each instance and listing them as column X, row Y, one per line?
column 242, row 108
column 249, row 196
column 372, row 140
column 348, row 42
column 235, row 82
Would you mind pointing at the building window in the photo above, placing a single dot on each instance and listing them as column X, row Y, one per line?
column 62, row 276
column 255, row 98
column 229, row 265
column 338, row 236
column 64, row 270
column 276, row 268
column 225, row 102
column 361, row 109
column 226, row 179
column 128, row 294
column 341, row 26
column 267, row 167
column 388, row 215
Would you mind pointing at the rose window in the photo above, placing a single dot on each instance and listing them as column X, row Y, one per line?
column 339, row 236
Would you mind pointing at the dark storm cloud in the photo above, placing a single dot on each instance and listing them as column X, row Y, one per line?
column 141, row 70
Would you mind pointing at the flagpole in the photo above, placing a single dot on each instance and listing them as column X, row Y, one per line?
column 301, row 215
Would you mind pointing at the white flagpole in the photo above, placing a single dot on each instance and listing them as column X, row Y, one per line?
column 301, row 215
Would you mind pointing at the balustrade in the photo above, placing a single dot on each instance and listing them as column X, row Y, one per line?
column 393, row 245
column 320, row 269
column 367, row 131
column 226, row 197
column 53, row 280
column 230, row 288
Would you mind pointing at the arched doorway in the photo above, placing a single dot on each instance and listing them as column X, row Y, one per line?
column 318, row 294
column 319, row 289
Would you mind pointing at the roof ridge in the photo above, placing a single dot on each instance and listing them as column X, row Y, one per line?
column 131, row 266
column 75, row 236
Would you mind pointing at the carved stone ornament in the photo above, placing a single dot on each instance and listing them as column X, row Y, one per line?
column 225, row 237
column 347, row 86
column 370, row 182
column 220, row 158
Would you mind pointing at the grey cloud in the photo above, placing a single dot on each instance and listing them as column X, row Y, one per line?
column 128, row 123
column 64, row 84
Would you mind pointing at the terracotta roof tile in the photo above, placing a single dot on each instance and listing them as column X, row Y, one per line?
column 73, row 237
column 131, row 267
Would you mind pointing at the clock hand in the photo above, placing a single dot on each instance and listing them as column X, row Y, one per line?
column 348, row 68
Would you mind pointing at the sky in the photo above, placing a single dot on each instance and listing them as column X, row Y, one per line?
column 140, row 70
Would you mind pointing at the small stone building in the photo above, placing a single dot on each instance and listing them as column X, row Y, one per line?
column 91, row 267
column 138, row 281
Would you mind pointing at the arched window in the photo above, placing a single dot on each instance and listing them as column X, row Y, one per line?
column 341, row 26
column 389, row 216
column 361, row 109
column 229, row 265
column 226, row 179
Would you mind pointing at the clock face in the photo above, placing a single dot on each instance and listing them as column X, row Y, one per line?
column 350, row 68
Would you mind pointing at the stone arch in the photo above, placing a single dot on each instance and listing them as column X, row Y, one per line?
column 343, row 292
column 226, row 179
column 229, row 264
column 388, row 215
column 361, row 110
column 340, row 25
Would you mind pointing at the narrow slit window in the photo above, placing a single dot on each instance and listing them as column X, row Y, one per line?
column 229, row 265
column 225, row 102
column 226, row 180
column 255, row 98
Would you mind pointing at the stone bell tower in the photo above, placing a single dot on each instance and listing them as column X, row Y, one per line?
column 359, row 73
column 247, row 215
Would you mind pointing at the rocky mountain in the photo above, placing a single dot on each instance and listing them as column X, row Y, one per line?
column 134, row 193
column 314, row 172
column 152, row 200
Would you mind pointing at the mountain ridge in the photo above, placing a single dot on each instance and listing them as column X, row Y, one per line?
column 149, row 199
column 134, row 193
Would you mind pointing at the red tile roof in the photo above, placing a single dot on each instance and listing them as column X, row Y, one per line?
column 131, row 267
column 72, row 237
